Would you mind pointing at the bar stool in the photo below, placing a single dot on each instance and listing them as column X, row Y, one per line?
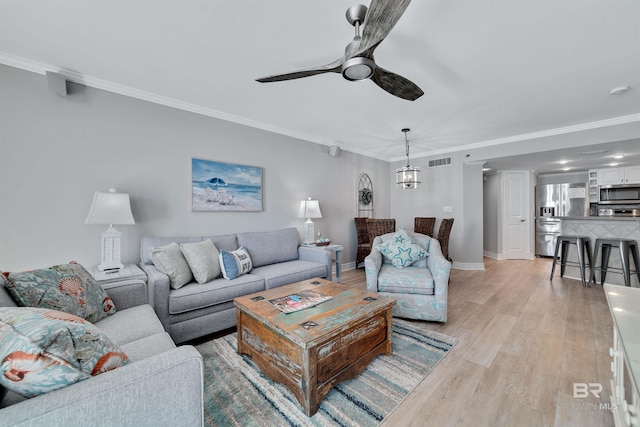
column 625, row 246
column 582, row 243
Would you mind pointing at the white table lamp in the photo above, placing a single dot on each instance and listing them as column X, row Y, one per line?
column 110, row 208
column 309, row 209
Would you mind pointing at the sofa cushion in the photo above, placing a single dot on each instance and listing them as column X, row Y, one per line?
column 409, row 280
column 202, row 258
column 170, row 261
column 271, row 247
column 218, row 291
column 66, row 287
column 401, row 250
column 284, row 273
column 44, row 350
column 131, row 324
column 235, row 263
column 148, row 346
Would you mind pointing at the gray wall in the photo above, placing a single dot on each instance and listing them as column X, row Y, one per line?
column 56, row 151
column 491, row 209
column 457, row 186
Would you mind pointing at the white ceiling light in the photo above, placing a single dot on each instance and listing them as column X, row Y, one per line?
column 619, row 90
column 590, row 153
column 619, row 156
column 563, row 162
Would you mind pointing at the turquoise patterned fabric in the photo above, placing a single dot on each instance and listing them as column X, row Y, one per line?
column 401, row 250
column 66, row 287
column 411, row 291
column 410, row 280
column 42, row 350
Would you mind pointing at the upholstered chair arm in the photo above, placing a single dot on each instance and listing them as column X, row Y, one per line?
column 159, row 289
column 372, row 265
column 440, row 269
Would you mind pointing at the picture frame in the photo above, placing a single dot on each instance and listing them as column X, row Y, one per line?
column 225, row 187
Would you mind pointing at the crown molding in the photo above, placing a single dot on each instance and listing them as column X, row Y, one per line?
column 75, row 77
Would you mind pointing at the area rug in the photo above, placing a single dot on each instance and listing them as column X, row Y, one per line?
column 236, row 393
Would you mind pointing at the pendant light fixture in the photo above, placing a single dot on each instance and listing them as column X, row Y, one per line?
column 407, row 177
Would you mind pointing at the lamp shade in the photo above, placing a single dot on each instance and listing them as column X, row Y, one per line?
column 110, row 208
column 309, row 209
column 408, row 177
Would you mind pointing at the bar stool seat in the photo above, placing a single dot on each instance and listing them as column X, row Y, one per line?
column 625, row 247
column 562, row 245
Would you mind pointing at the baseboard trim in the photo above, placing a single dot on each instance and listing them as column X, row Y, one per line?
column 493, row 255
column 468, row 265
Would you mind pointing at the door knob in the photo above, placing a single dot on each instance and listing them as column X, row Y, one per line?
column 522, row 220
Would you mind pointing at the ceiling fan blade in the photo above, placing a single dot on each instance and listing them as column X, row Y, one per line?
column 396, row 85
column 334, row 67
column 381, row 17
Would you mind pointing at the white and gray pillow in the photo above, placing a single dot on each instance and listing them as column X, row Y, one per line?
column 169, row 260
column 203, row 260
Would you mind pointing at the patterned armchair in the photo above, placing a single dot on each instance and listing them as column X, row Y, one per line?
column 419, row 289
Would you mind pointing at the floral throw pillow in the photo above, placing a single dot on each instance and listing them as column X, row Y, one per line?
column 401, row 250
column 42, row 350
column 66, row 287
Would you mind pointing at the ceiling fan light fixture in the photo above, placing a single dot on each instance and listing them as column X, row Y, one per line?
column 358, row 68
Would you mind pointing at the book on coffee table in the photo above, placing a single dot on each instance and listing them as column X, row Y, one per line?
column 298, row 301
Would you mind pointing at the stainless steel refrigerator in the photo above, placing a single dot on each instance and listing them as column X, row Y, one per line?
column 556, row 200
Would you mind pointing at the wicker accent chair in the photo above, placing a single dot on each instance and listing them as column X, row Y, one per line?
column 379, row 226
column 421, row 289
column 364, row 244
column 424, row 225
column 443, row 236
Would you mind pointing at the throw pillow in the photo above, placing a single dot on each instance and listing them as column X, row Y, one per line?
column 401, row 250
column 203, row 260
column 235, row 263
column 42, row 350
column 66, row 287
column 170, row 261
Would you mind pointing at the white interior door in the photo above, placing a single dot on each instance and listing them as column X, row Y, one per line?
column 516, row 218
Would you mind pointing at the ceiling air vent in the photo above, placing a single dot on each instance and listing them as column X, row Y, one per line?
column 440, row 162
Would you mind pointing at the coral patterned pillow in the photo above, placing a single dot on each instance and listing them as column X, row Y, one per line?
column 43, row 350
column 67, row 287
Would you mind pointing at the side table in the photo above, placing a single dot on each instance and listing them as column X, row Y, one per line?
column 128, row 285
column 337, row 249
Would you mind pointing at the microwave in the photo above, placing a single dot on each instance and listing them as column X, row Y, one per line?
column 620, row 194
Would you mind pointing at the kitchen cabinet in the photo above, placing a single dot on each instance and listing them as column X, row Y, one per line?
column 594, row 191
column 611, row 176
column 625, row 364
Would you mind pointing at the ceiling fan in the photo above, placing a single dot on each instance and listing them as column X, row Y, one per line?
column 358, row 62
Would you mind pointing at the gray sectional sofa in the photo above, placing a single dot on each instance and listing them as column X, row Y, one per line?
column 163, row 385
column 195, row 310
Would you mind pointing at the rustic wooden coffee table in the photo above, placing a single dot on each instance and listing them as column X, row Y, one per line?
column 312, row 350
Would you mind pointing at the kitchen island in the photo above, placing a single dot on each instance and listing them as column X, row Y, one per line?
column 596, row 227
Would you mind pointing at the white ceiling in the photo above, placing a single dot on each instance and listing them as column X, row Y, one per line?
column 492, row 71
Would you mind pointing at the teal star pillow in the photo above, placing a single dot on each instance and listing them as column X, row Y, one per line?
column 401, row 250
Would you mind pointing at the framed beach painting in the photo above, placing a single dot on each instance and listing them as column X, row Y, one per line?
column 225, row 187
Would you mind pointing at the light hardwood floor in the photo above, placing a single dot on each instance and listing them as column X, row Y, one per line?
column 523, row 342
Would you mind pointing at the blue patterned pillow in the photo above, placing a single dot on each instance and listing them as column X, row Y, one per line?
column 66, row 287
column 401, row 250
column 236, row 263
column 42, row 350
